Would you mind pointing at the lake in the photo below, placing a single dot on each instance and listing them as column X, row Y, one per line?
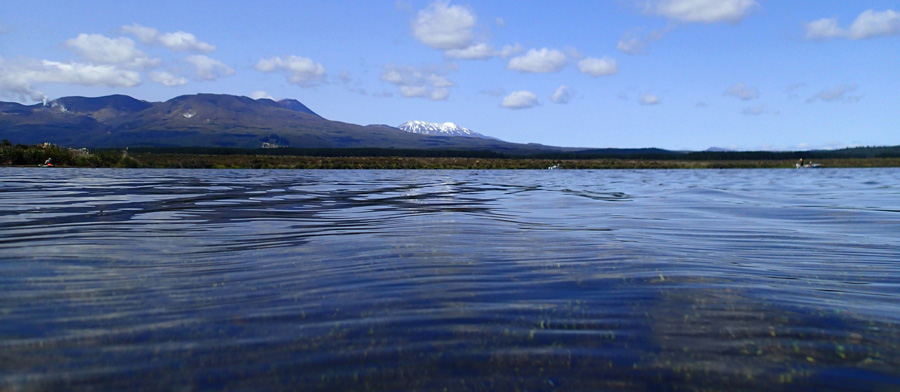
column 133, row 279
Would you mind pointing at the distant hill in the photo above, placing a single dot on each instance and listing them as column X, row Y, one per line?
column 213, row 120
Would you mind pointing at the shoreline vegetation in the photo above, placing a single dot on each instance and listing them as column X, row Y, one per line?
column 232, row 158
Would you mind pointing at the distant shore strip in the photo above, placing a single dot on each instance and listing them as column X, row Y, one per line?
column 224, row 158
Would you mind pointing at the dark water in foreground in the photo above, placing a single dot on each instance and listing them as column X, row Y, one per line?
column 458, row 280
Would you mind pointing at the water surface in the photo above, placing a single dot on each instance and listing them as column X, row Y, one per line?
column 465, row 280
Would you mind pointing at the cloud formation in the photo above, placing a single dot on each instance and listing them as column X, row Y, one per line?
column 110, row 62
column 298, row 70
column 597, row 67
column 521, row 99
column 869, row 24
column 425, row 82
column 538, row 61
column 104, row 50
column 167, row 79
column 839, row 93
column 633, row 44
column 16, row 78
column 178, row 41
column 482, row 51
column 206, row 68
column 703, row 11
column 144, row 34
column 649, row 99
column 473, row 52
column 742, row 92
column 443, row 26
column 561, row 96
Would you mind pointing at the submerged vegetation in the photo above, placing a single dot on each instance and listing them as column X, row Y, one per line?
column 228, row 158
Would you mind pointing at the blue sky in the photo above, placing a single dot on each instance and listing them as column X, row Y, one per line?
column 675, row 74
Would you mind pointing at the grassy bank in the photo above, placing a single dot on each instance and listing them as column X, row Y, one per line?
column 20, row 155
column 311, row 162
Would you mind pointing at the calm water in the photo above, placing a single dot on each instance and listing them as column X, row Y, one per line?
column 426, row 280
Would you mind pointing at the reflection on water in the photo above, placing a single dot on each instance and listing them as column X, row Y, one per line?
column 456, row 280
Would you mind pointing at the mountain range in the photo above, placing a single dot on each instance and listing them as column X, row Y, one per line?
column 215, row 120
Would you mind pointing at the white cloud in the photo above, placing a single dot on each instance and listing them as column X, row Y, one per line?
column 259, row 94
column 167, row 79
column 15, row 82
column 561, row 96
column 100, row 49
column 869, row 24
column 299, row 70
column 443, row 26
column 839, row 93
column 543, row 60
column 178, row 41
column 207, row 68
column 473, row 52
column 425, row 82
column 16, row 79
column 439, row 94
column 521, row 99
column 632, row 44
column 824, row 28
column 392, row 76
column 649, row 99
column 413, row 91
column 144, row 34
column 439, row 81
column 509, row 50
column 703, row 11
column 185, row 42
column 597, row 67
column 87, row 74
column 742, row 92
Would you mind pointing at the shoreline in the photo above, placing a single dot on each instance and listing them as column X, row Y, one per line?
column 208, row 161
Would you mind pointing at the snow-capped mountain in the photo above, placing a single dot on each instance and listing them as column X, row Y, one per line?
column 435, row 129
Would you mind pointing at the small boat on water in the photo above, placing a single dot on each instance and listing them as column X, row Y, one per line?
column 806, row 165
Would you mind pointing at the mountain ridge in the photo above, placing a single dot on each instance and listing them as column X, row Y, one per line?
column 214, row 120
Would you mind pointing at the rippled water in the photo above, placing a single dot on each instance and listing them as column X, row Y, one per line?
column 456, row 280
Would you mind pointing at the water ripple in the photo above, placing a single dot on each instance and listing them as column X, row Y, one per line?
column 609, row 280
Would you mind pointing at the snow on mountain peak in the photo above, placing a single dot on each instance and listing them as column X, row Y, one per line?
column 438, row 129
